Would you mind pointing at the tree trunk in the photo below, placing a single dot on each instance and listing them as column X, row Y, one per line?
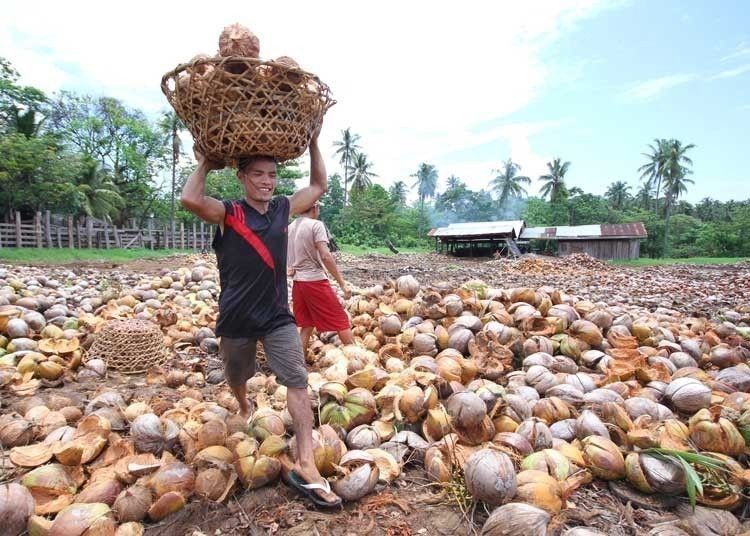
column 174, row 177
column 656, row 199
column 346, row 179
column 667, row 210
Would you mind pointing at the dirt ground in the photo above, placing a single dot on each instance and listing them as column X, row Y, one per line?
column 699, row 290
column 411, row 506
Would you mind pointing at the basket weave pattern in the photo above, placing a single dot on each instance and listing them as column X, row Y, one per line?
column 236, row 107
column 130, row 346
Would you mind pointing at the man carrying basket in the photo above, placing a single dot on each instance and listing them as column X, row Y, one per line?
column 251, row 251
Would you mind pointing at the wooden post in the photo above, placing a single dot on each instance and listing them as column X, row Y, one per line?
column 80, row 223
column 118, row 240
column 18, row 229
column 150, row 233
column 38, row 228
column 203, row 236
column 182, row 235
column 166, row 237
column 106, row 235
column 59, row 237
column 71, row 244
column 89, row 231
column 195, row 237
column 47, row 229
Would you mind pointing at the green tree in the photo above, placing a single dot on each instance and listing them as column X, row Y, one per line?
column 333, row 201
column 426, row 183
column 398, row 191
column 652, row 171
column 675, row 169
column 20, row 106
column 362, row 173
column 369, row 217
column 95, row 193
column 644, row 195
column 347, row 148
column 508, row 183
column 123, row 140
column 618, row 194
column 554, row 181
column 171, row 126
column 32, row 173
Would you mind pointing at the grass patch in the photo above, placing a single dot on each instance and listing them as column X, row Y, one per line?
column 645, row 261
column 364, row 250
column 66, row 255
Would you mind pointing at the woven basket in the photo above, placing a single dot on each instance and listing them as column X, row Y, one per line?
column 130, row 346
column 236, row 107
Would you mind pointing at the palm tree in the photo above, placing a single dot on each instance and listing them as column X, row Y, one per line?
column 25, row 122
column 453, row 182
column 554, row 181
column 618, row 194
column 171, row 125
column 652, row 171
column 361, row 172
column 574, row 191
column 644, row 195
column 97, row 194
column 347, row 147
column 426, row 183
column 508, row 183
column 674, row 170
column 398, row 193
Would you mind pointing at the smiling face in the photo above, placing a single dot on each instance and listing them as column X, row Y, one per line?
column 259, row 179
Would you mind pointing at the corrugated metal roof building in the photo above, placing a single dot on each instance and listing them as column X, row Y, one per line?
column 605, row 241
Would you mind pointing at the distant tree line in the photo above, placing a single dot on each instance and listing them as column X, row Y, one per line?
column 95, row 156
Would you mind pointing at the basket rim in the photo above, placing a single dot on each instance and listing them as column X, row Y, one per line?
column 220, row 60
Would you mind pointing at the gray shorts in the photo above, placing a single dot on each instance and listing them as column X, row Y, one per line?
column 283, row 353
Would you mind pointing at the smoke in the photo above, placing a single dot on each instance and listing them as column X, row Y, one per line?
column 482, row 208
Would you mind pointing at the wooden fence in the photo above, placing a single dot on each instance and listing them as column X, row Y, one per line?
column 41, row 232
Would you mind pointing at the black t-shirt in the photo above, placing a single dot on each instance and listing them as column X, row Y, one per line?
column 251, row 254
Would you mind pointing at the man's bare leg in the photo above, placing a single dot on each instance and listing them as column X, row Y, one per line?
column 298, row 404
column 304, row 337
column 240, row 393
column 346, row 336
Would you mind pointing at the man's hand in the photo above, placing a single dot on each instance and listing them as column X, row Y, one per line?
column 346, row 290
column 205, row 163
column 316, row 133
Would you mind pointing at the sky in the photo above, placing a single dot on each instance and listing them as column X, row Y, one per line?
column 460, row 85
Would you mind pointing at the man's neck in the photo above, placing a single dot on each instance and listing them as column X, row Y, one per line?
column 260, row 206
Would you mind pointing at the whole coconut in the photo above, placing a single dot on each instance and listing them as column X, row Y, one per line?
column 238, row 40
column 490, row 477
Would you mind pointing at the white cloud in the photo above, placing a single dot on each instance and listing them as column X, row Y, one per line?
column 732, row 73
column 652, row 88
column 740, row 51
column 414, row 79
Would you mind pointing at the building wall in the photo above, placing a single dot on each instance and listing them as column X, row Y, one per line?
column 609, row 249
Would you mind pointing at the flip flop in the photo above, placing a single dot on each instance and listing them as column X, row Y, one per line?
column 308, row 490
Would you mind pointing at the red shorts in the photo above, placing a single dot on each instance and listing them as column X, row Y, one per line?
column 316, row 305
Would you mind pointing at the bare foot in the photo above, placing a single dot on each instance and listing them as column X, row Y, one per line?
column 245, row 410
column 311, row 475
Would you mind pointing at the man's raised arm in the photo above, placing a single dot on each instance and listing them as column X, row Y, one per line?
column 194, row 196
column 305, row 197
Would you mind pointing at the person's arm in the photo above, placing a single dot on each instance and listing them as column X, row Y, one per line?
column 304, row 198
column 194, row 196
column 330, row 263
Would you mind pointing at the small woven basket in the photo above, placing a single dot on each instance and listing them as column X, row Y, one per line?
column 237, row 107
column 130, row 346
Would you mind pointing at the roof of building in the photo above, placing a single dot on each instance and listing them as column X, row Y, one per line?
column 583, row 232
column 517, row 229
column 480, row 228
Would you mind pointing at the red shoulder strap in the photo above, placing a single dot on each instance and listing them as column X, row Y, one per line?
column 236, row 221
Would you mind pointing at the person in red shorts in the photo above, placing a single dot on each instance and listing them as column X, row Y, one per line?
column 315, row 303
